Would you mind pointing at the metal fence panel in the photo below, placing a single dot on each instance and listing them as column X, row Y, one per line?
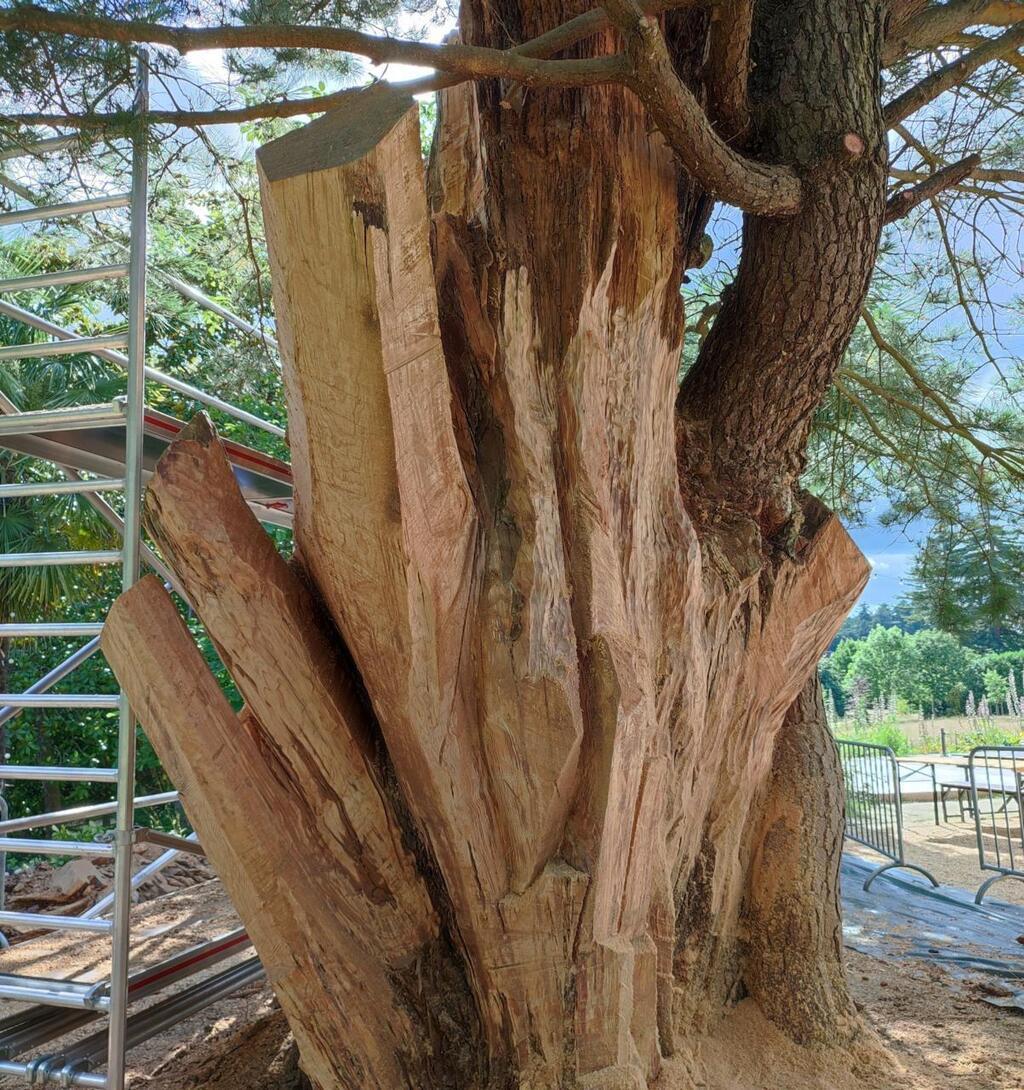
column 997, row 786
column 874, row 808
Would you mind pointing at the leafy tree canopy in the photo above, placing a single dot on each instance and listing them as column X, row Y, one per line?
column 927, row 670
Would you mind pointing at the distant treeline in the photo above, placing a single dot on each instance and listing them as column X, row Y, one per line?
column 922, row 668
column 912, row 614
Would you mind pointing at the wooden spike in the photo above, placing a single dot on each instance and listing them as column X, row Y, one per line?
column 328, row 923
column 284, row 659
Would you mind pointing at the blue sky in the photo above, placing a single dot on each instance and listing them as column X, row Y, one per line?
column 890, row 551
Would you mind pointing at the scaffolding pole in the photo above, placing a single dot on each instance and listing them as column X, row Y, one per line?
column 131, row 542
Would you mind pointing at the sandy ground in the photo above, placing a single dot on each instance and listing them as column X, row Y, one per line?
column 949, row 851
column 945, row 1036
column 940, row 1032
column 938, row 1036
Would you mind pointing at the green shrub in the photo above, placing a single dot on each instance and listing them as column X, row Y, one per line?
column 882, row 734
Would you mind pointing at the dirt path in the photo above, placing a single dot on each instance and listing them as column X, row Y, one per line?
column 949, row 851
column 941, row 1032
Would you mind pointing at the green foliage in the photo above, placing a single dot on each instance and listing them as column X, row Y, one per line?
column 882, row 734
column 831, row 679
column 967, row 580
column 996, row 686
column 928, row 670
column 858, row 624
column 989, row 734
column 53, row 73
column 884, row 661
column 940, row 670
column 428, row 122
column 195, row 235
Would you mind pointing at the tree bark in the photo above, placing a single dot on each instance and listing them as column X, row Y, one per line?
column 530, row 782
column 797, row 294
column 792, row 922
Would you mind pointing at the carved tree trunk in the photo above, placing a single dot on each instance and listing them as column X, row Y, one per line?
column 533, row 782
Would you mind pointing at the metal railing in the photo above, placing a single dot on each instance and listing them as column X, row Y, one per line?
column 874, row 806
column 70, row 1005
column 996, row 776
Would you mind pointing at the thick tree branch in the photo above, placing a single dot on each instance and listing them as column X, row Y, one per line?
column 939, row 23
column 727, row 67
column 900, row 11
column 950, row 75
column 469, row 62
column 543, row 46
column 971, row 188
column 1013, row 59
column 285, row 107
column 754, row 187
column 907, row 199
column 980, row 173
column 293, row 843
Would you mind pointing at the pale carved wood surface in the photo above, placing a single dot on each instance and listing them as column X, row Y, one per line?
column 325, row 945
column 577, row 697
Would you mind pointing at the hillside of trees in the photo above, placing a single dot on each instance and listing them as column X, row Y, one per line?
column 926, row 669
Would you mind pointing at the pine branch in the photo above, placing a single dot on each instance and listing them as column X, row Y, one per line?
column 1014, row 60
column 953, row 74
column 938, row 23
column 647, row 69
column 544, row 45
column 1009, row 458
column 931, row 186
column 285, row 107
column 752, row 186
column 466, row 61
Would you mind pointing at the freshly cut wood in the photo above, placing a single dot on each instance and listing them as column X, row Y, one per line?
column 387, row 526
column 580, row 760
column 283, row 656
column 341, row 957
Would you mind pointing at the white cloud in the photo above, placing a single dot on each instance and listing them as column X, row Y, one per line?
column 211, row 63
column 892, row 564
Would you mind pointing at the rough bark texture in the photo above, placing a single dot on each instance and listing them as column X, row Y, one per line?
column 801, row 280
column 580, row 793
column 791, row 921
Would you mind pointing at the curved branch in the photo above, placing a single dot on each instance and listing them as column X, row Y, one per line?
column 727, row 67
column 467, row 61
column 950, row 75
column 931, row 186
column 543, row 46
column 938, row 23
column 1013, row 59
column 760, row 188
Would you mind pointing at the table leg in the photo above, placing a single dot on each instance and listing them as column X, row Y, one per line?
column 935, row 794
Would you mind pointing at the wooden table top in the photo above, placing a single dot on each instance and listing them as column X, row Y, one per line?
column 950, row 759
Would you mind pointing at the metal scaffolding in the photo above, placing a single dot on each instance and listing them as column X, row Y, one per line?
column 117, row 444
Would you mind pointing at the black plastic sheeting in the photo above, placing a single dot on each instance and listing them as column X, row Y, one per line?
column 902, row 916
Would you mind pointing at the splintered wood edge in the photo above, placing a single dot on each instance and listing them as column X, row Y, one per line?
column 340, row 136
